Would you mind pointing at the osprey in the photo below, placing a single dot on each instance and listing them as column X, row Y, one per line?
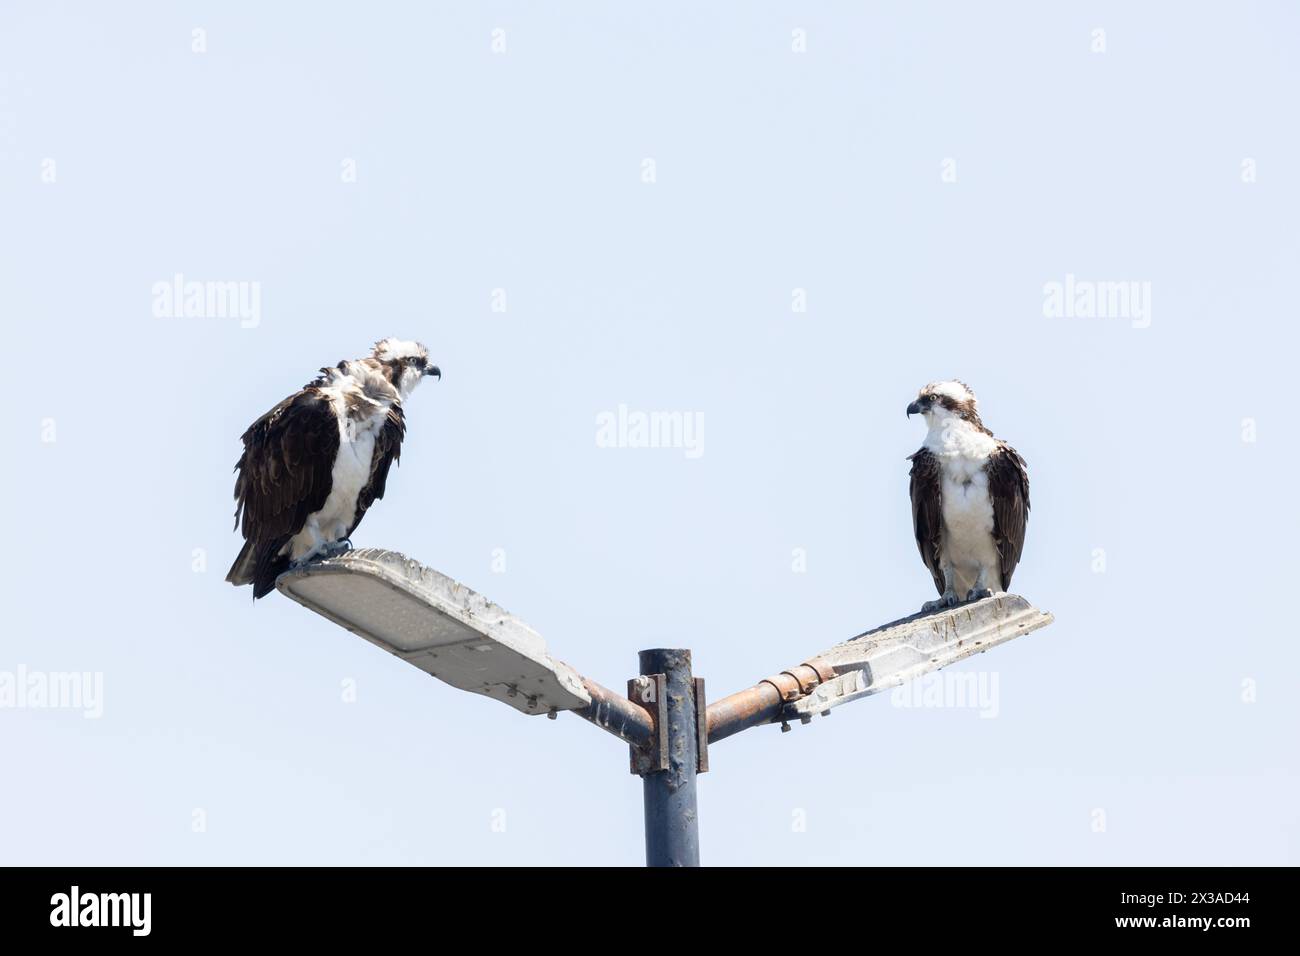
column 970, row 498
column 316, row 462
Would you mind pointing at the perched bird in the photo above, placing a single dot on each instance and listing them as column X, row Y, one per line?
column 316, row 462
column 970, row 498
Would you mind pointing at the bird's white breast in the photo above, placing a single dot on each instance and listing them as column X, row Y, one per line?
column 967, row 508
column 351, row 471
column 350, row 474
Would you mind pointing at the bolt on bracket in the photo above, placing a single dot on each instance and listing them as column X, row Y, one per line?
column 650, row 691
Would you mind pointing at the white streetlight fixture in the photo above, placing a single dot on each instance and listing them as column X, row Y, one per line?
column 447, row 630
column 437, row 625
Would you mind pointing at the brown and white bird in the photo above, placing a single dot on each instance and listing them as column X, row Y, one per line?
column 316, row 462
column 970, row 498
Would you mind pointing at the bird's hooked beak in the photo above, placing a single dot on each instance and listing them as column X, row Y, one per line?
column 434, row 370
column 913, row 409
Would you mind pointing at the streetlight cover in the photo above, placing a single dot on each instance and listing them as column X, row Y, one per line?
column 438, row 625
column 895, row 653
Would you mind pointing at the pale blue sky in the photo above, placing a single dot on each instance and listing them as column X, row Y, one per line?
column 775, row 171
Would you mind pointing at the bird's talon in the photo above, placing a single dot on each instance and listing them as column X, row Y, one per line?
column 333, row 550
column 978, row 594
column 949, row 599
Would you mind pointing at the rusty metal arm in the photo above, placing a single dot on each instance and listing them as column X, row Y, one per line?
column 612, row 712
column 764, row 702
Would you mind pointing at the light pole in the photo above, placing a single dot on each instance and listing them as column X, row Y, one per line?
column 459, row 636
column 672, row 822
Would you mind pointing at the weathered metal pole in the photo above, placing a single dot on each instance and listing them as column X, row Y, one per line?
column 672, row 835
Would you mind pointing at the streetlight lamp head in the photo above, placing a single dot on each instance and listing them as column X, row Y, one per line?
column 437, row 625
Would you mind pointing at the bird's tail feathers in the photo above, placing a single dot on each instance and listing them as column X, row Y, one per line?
column 241, row 572
column 269, row 566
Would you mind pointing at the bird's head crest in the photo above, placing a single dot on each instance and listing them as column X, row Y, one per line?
column 392, row 350
column 952, row 393
column 405, row 363
column 950, row 399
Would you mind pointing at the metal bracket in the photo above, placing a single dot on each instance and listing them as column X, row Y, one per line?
column 654, row 756
column 701, row 728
